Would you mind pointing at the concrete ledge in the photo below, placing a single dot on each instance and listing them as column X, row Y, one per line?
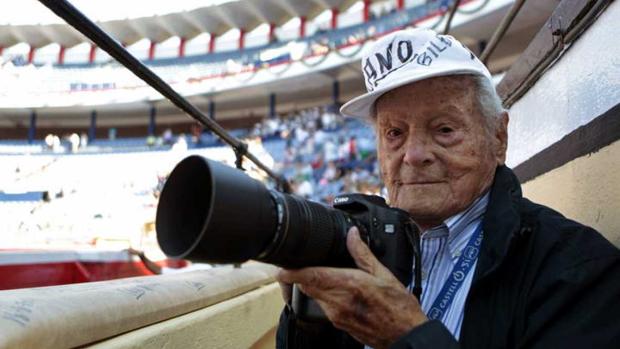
column 82, row 314
column 246, row 321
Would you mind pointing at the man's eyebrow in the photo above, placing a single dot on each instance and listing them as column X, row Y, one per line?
column 448, row 109
column 387, row 122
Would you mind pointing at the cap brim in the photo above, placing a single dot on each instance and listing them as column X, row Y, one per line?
column 362, row 106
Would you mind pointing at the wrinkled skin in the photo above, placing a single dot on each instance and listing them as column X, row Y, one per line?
column 369, row 303
column 437, row 153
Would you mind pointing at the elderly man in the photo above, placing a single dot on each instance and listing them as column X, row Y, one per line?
column 498, row 270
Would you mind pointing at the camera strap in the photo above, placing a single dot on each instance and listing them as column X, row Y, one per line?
column 463, row 266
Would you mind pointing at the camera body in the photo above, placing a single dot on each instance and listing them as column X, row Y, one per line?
column 209, row 212
column 390, row 233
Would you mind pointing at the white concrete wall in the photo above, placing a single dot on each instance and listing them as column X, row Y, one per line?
column 582, row 85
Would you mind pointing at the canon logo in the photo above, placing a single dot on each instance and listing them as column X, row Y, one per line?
column 341, row 200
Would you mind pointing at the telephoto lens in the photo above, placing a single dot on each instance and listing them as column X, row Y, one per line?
column 210, row 212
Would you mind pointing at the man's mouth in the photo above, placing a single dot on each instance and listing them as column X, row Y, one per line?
column 425, row 182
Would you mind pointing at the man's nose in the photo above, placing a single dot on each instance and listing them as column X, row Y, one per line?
column 418, row 152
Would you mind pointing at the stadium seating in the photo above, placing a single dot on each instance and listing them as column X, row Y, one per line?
column 87, row 185
column 109, row 75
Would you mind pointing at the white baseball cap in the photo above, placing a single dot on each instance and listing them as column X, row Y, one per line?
column 407, row 56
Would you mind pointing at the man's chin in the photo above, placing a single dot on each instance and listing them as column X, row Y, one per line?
column 423, row 196
column 423, row 212
column 423, row 207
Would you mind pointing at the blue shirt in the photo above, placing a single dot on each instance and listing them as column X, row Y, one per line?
column 441, row 248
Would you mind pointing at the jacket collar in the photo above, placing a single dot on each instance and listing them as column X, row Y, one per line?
column 501, row 221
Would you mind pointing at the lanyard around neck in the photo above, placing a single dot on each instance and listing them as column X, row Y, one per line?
column 463, row 266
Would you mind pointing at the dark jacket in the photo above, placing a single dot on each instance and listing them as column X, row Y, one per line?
column 541, row 281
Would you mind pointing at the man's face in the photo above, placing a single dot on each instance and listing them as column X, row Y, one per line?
column 437, row 151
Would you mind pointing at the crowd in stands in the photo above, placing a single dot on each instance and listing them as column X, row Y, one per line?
column 75, row 143
column 324, row 154
column 111, row 196
column 319, row 151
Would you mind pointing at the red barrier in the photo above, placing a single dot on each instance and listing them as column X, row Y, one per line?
column 51, row 274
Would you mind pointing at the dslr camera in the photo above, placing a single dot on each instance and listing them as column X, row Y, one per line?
column 209, row 212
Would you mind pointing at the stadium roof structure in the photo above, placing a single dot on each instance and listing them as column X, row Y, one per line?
column 252, row 100
column 214, row 19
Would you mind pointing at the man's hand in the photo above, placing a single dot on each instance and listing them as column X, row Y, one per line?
column 370, row 303
column 287, row 291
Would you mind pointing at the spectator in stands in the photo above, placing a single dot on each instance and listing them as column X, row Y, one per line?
column 196, row 130
column 352, row 148
column 49, row 141
column 302, row 187
column 289, row 156
column 301, row 134
column 330, row 150
column 168, row 137
column 151, row 140
column 112, row 134
column 343, row 149
column 180, row 144
column 498, row 270
column 74, row 140
column 83, row 140
column 330, row 173
column 327, row 121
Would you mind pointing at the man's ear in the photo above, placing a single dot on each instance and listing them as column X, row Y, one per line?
column 501, row 138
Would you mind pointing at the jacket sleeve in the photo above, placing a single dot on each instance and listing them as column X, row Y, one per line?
column 431, row 334
column 578, row 308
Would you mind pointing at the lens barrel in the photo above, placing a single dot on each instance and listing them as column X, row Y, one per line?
column 312, row 235
column 209, row 212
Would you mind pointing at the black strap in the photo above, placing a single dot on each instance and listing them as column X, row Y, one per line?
column 241, row 150
column 291, row 327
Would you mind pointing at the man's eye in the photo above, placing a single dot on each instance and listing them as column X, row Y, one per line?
column 446, row 130
column 393, row 133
